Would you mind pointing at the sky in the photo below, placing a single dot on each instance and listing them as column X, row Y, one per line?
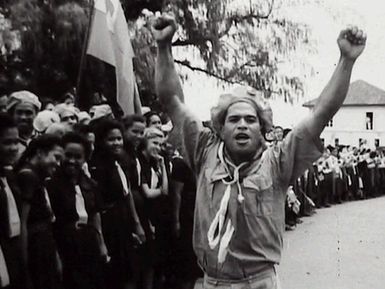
column 325, row 22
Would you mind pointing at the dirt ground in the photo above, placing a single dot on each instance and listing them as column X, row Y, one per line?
column 342, row 247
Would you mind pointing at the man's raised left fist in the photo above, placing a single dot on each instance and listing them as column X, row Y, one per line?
column 351, row 42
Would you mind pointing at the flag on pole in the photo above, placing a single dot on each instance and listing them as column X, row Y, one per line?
column 110, row 42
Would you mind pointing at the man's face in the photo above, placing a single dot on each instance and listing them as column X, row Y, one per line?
column 24, row 115
column 9, row 141
column 69, row 119
column 134, row 134
column 241, row 131
column 3, row 103
column 155, row 122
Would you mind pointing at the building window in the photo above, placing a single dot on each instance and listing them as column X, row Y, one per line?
column 330, row 123
column 377, row 142
column 323, row 141
column 360, row 141
column 369, row 120
column 336, row 142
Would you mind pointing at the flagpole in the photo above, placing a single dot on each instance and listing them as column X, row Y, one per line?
column 84, row 51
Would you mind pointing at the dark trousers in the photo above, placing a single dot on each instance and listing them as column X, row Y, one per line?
column 353, row 185
column 326, row 190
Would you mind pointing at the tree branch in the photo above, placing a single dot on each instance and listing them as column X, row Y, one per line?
column 228, row 24
column 239, row 18
column 187, row 64
column 190, row 41
column 226, row 79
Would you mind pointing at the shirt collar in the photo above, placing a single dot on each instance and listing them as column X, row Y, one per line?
column 221, row 171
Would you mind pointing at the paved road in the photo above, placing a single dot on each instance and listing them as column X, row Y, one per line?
column 342, row 247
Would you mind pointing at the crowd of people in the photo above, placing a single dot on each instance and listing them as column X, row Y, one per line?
column 343, row 173
column 89, row 201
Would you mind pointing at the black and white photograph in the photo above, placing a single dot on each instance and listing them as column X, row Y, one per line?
column 192, row 144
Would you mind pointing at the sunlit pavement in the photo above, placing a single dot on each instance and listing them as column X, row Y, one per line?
column 342, row 247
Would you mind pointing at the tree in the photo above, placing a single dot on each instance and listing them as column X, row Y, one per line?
column 227, row 40
column 50, row 36
column 232, row 42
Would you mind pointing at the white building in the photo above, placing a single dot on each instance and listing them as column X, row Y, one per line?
column 361, row 117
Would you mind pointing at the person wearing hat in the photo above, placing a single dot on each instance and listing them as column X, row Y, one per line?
column 101, row 111
column 23, row 106
column 84, row 118
column 241, row 184
column 44, row 119
column 69, row 99
column 68, row 114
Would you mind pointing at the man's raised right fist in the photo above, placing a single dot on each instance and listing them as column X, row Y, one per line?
column 164, row 27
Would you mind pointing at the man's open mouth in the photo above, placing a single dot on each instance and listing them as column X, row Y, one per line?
column 242, row 136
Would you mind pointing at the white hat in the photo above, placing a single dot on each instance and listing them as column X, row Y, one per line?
column 167, row 127
column 23, row 96
column 64, row 110
column 145, row 109
column 44, row 119
column 83, row 116
column 101, row 110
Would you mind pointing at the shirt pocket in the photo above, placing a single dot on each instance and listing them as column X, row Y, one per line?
column 258, row 193
column 205, row 189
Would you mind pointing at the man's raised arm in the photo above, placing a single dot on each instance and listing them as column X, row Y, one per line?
column 351, row 42
column 303, row 147
column 167, row 82
column 189, row 129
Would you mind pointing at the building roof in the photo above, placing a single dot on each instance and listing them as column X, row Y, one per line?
column 360, row 93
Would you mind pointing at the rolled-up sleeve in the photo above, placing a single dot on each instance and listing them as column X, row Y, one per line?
column 298, row 152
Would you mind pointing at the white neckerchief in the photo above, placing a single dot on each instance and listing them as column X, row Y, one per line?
column 13, row 214
column 123, row 179
column 86, row 170
column 48, row 202
column 80, row 206
column 4, row 276
column 219, row 219
column 154, row 179
column 139, row 171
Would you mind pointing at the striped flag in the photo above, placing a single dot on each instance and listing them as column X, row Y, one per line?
column 110, row 42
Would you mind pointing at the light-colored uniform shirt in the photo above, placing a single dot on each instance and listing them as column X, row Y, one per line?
column 259, row 220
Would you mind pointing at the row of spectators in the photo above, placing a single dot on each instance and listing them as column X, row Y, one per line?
column 89, row 201
column 343, row 173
